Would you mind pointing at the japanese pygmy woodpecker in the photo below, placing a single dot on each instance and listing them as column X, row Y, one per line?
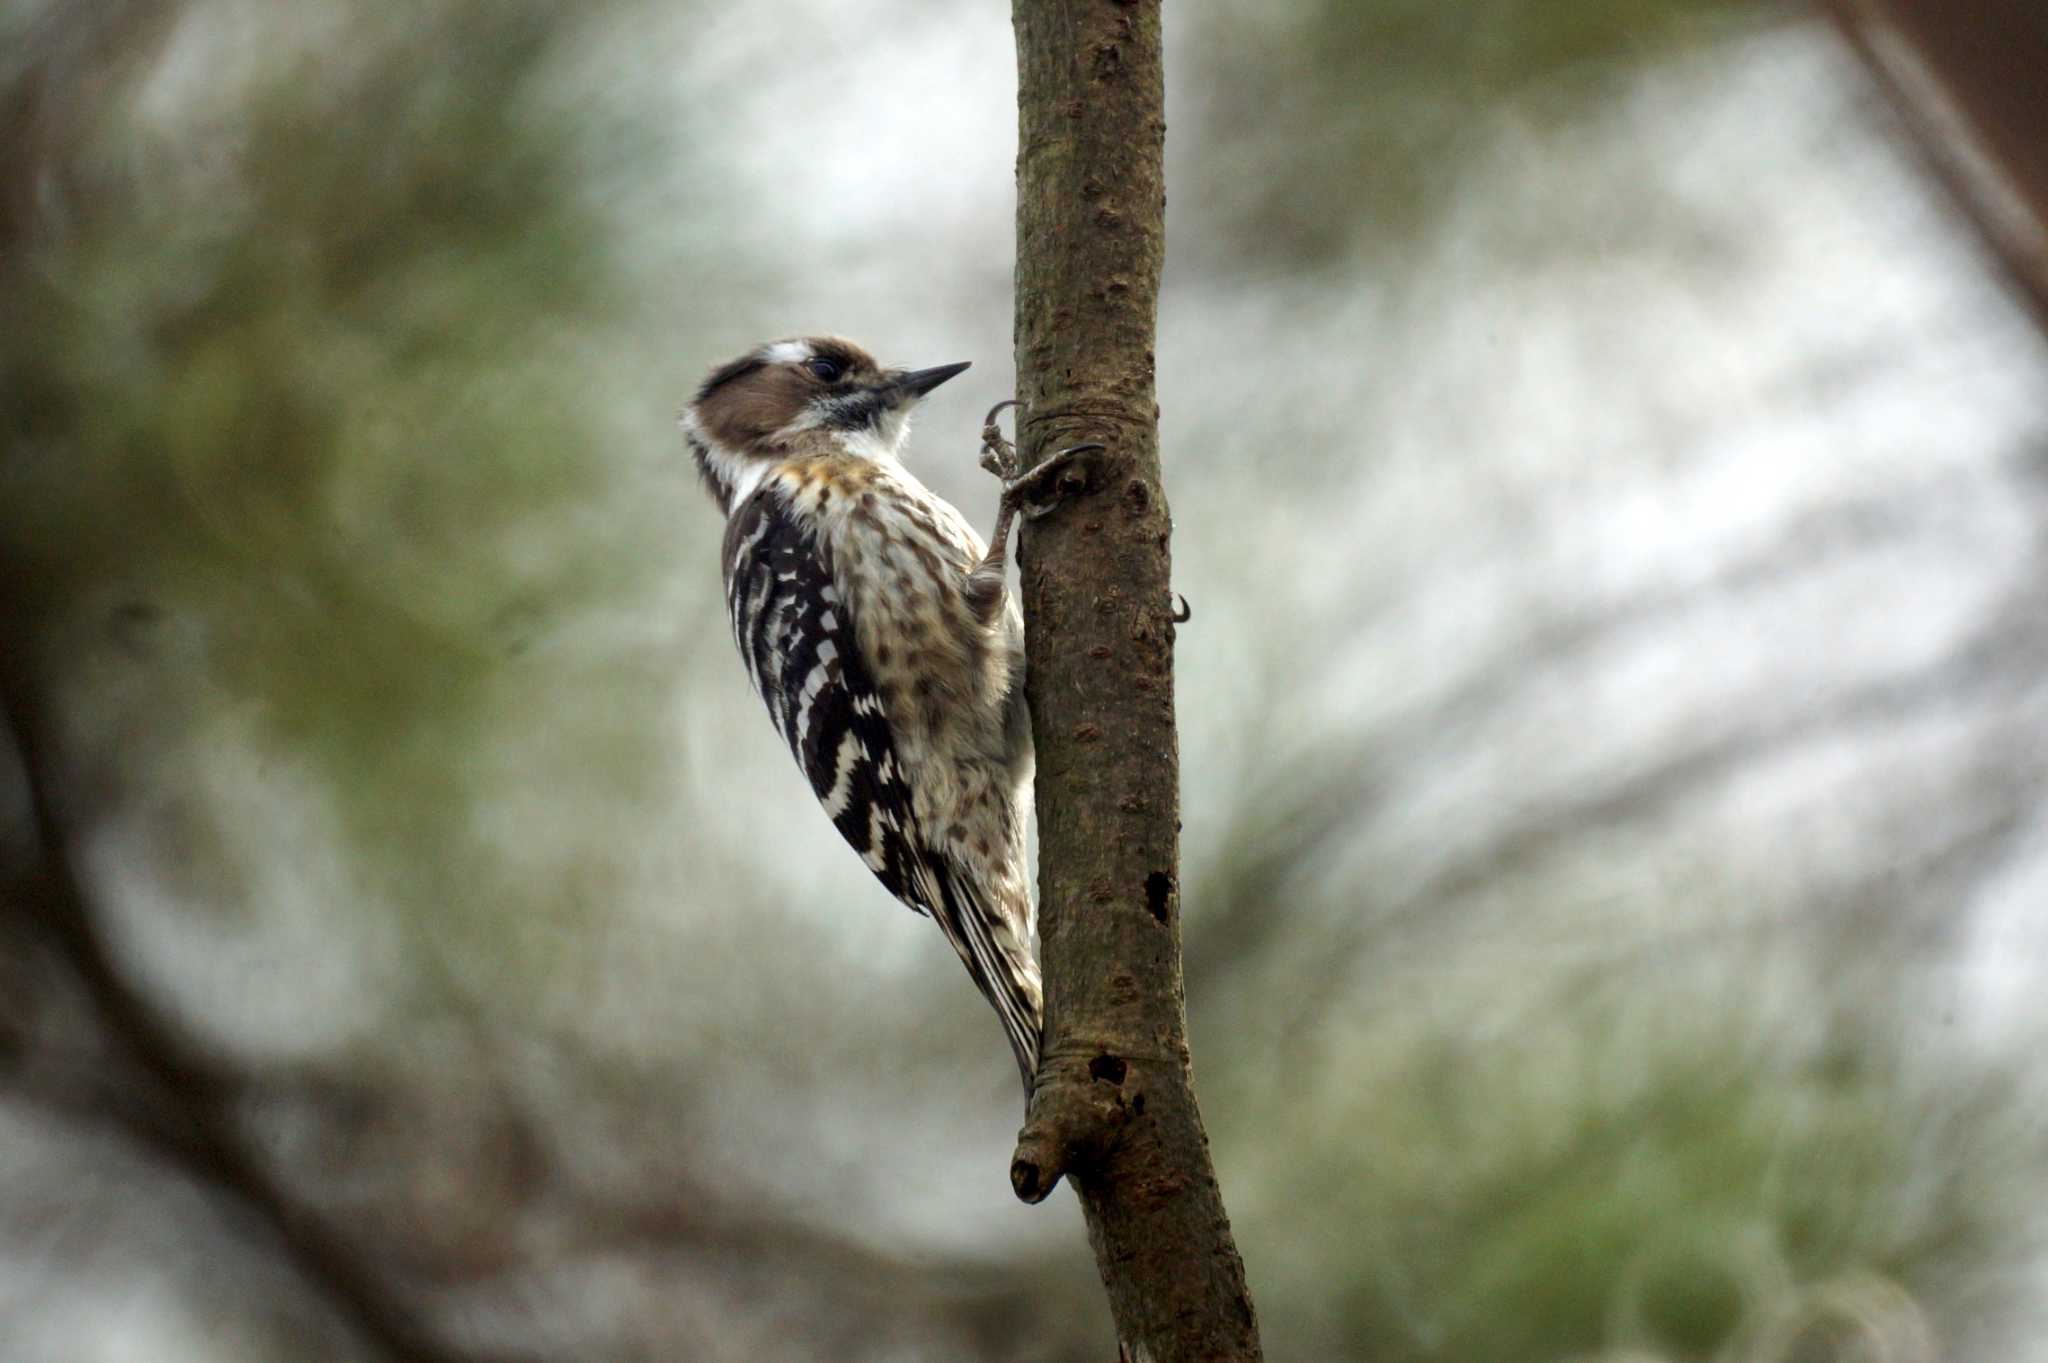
column 878, row 628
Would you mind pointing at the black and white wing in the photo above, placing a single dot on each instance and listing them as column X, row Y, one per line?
column 796, row 635
column 796, row 632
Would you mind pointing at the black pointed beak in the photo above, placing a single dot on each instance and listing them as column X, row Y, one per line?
column 918, row 382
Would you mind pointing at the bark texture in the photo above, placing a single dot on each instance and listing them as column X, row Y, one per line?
column 1114, row 1111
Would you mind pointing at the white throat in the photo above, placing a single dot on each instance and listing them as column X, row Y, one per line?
column 883, row 444
column 740, row 476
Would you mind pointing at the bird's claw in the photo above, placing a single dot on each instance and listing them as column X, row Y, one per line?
column 998, row 455
column 1037, row 491
column 1027, row 491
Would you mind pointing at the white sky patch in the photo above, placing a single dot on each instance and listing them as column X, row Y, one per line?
column 910, row 138
column 2007, row 959
column 315, row 967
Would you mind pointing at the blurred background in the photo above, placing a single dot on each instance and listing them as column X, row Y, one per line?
column 1608, row 461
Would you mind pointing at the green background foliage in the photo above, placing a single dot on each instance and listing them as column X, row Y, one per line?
column 1605, row 482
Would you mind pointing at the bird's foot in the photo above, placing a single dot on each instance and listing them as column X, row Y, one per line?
column 1054, row 479
column 998, row 455
column 1038, row 490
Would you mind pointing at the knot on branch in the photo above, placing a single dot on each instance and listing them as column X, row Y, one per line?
column 1080, row 1105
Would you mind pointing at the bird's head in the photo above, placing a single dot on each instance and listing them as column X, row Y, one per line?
column 820, row 391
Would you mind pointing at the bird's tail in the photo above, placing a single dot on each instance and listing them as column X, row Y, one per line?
column 994, row 942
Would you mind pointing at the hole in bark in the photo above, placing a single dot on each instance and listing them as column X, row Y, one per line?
column 1158, row 886
column 1138, row 1105
column 1108, row 1067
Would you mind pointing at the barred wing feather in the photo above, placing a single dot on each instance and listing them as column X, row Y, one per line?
column 795, row 630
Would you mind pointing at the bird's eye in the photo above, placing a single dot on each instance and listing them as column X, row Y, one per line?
column 827, row 370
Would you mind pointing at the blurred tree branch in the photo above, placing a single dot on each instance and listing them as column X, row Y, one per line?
column 1293, row 830
column 138, row 1072
column 65, row 57
column 1114, row 1109
column 170, row 1096
column 1965, row 76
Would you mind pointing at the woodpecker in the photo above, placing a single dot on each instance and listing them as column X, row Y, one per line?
column 877, row 627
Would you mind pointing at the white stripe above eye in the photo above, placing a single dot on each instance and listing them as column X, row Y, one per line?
column 787, row 352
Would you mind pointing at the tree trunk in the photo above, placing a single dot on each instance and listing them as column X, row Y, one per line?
column 1114, row 1110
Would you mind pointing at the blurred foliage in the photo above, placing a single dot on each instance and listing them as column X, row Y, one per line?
column 337, row 478
column 298, row 377
column 1334, row 125
column 1613, row 1179
column 232, row 352
column 1452, row 1136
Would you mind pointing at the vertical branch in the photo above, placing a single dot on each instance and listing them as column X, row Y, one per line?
column 1113, row 1110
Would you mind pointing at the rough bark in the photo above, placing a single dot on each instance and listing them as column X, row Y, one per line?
column 1114, row 1111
